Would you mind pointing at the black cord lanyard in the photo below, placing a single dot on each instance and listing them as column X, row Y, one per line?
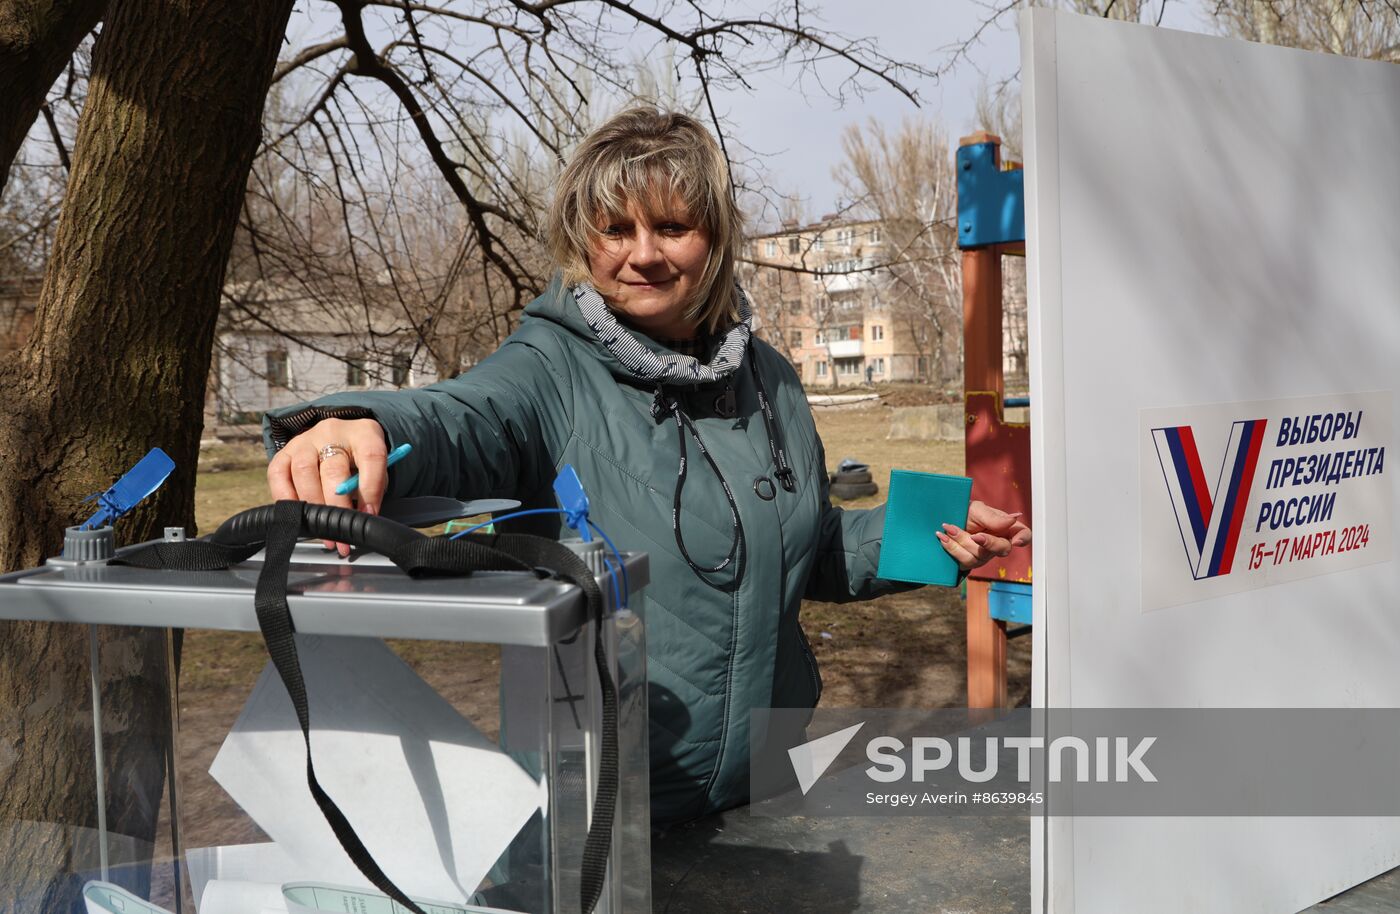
column 736, row 543
column 782, row 470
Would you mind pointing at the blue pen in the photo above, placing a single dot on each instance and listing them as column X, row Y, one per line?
column 351, row 484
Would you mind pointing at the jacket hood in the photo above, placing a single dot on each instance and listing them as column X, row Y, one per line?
column 633, row 357
column 556, row 305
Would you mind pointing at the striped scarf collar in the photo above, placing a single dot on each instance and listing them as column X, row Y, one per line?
column 695, row 347
column 670, row 367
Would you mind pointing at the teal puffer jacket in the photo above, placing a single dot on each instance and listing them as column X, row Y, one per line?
column 551, row 395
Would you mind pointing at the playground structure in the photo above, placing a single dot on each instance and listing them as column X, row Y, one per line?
column 992, row 224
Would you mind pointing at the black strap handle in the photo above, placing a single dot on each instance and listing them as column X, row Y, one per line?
column 277, row 527
column 275, row 620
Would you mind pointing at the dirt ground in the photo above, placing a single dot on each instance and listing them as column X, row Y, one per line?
column 912, row 394
column 904, row 650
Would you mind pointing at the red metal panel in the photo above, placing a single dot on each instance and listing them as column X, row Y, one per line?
column 999, row 462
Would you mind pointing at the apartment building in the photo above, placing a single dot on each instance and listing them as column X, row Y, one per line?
column 817, row 292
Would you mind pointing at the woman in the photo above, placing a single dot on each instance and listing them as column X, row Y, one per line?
column 637, row 359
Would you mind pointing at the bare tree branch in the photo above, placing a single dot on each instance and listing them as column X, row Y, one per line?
column 58, row 143
column 306, row 56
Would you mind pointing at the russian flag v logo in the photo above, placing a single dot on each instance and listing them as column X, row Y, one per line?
column 1209, row 519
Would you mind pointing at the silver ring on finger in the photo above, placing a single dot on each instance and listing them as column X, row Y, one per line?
column 331, row 450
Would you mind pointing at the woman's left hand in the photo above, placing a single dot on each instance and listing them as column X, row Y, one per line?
column 990, row 533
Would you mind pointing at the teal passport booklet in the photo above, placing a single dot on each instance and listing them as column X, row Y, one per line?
column 918, row 506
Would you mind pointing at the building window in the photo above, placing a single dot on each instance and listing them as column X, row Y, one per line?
column 821, row 369
column 795, row 339
column 821, row 337
column 877, row 332
column 874, row 234
column 794, row 245
column 277, row 374
column 402, row 369
column 770, row 248
column 795, row 305
column 923, row 366
column 355, row 375
column 879, row 365
column 848, row 366
column 819, row 242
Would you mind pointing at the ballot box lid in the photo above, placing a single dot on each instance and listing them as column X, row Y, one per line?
column 366, row 596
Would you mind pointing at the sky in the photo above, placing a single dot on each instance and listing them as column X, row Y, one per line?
column 794, row 126
column 800, row 132
column 799, row 128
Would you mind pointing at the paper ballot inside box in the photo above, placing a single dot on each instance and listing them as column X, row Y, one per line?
column 434, row 801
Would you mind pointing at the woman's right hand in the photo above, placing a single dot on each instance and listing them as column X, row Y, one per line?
column 313, row 463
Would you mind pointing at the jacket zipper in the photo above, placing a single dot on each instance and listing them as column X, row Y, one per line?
column 728, row 696
column 739, row 569
column 807, row 654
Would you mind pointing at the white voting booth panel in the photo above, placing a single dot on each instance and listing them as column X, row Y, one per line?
column 1213, row 232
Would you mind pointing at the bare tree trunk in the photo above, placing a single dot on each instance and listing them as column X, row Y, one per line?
column 117, row 363
column 37, row 39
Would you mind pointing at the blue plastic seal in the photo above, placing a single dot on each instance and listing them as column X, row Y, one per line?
column 133, row 488
column 569, row 490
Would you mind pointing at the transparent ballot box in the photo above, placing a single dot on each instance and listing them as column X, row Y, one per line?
column 457, row 722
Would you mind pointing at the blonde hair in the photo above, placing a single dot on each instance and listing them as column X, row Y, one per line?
column 646, row 156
